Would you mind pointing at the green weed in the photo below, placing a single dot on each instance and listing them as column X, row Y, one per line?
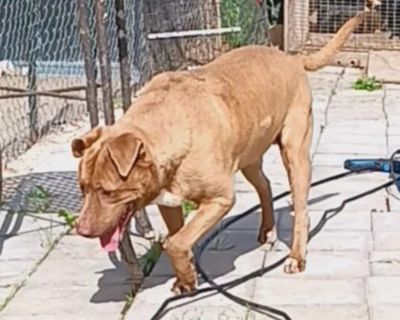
column 129, row 298
column 68, row 216
column 39, row 198
column 150, row 258
column 187, row 208
column 367, row 84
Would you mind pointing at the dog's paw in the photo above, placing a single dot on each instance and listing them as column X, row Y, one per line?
column 181, row 287
column 268, row 237
column 293, row 265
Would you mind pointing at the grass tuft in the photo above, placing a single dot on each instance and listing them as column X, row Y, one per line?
column 367, row 84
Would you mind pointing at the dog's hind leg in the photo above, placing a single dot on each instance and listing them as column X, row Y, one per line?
column 294, row 142
column 254, row 174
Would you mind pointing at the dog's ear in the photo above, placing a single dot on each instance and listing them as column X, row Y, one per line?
column 79, row 145
column 124, row 151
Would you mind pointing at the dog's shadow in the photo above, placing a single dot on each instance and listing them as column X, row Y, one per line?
column 115, row 284
column 218, row 260
column 225, row 250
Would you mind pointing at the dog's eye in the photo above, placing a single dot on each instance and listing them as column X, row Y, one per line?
column 83, row 189
column 108, row 194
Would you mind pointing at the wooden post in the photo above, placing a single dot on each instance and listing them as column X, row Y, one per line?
column 105, row 62
column 90, row 64
column 123, row 54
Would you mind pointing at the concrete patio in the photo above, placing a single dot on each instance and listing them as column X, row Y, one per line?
column 353, row 266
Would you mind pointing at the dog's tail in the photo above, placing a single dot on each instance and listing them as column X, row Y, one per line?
column 324, row 56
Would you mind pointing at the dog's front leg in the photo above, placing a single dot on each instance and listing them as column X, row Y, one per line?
column 179, row 246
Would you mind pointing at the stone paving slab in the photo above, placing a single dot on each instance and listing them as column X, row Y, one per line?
column 77, row 271
column 335, row 241
column 316, row 312
column 359, row 127
column 329, row 136
column 385, row 312
column 309, row 291
column 203, row 310
column 385, row 263
column 324, row 265
column 386, row 240
column 25, row 240
column 352, row 148
column 383, row 290
column 386, row 222
column 374, row 202
column 370, row 113
column 383, row 65
column 335, row 159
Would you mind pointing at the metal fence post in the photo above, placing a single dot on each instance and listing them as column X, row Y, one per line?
column 1, row 175
column 123, row 54
column 33, row 55
column 138, row 31
column 141, row 218
column 105, row 62
column 90, row 64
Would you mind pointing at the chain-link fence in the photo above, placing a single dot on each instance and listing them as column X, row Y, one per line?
column 40, row 51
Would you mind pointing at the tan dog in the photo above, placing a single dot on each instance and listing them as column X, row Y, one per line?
column 186, row 136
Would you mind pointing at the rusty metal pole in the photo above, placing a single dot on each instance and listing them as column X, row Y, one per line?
column 90, row 63
column 123, row 54
column 34, row 50
column 105, row 62
column 1, row 175
column 128, row 255
column 142, row 220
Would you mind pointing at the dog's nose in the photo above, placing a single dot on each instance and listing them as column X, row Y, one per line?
column 83, row 229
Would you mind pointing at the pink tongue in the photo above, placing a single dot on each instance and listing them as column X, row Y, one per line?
column 110, row 241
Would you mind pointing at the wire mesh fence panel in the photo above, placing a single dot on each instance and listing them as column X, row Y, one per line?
column 312, row 22
column 40, row 52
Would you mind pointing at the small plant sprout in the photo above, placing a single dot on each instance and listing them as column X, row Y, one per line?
column 187, row 208
column 150, row 258
column 68, row 217
column 367, row 84
column 39, row 198
column 129, row 298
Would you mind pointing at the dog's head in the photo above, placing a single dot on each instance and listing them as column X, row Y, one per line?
column 117, row 177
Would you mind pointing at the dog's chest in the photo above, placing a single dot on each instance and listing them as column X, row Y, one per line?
column 168, row 199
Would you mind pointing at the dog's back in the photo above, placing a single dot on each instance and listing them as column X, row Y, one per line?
column 241, row 97
column 257, row 85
